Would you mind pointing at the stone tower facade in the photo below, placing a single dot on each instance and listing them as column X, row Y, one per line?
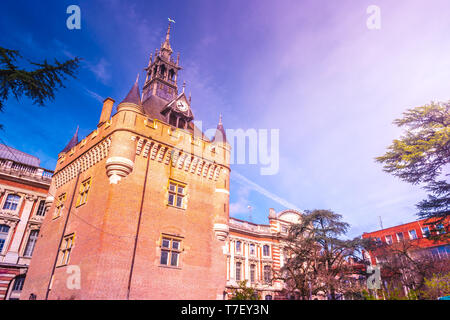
column 139, row 208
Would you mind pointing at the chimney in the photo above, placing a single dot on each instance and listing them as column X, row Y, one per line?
column 106, row 111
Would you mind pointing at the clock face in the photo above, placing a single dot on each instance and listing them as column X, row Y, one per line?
column 182, row 106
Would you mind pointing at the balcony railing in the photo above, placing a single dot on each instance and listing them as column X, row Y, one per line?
column 24, row 171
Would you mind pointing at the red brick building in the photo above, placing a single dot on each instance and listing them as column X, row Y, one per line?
column 140, row 205
column 417, row 232
column 23, row 189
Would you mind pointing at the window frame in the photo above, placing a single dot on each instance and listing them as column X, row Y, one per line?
column 40, row 211
column 415, row 234
column 176, row 194
column 170, row 250
column 33, row 243
column 60, row 205
column 6, row 237
column 12, row 202
column 402, row 237
column 390, row 241
column 83, row 192
column 66, row 251
column 263, row 251
column 236, row 271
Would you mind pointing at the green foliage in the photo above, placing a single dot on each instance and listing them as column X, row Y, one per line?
column 437, row 286
column 39, row 84
column 420, row 155
column 244, row 292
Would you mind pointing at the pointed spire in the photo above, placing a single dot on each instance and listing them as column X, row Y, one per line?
column 166, row 44
column 184, row 85
column 220, row 135
column 72, row 143
column 134, row 95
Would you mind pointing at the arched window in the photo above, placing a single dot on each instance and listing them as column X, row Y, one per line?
column 162, row 70
column 12, row 201
column 171, row 74
column 155, row 70
column 4, row 230
column 267, row 274
column 268, row 297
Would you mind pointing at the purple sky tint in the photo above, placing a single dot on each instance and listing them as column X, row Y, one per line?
column 309, row 68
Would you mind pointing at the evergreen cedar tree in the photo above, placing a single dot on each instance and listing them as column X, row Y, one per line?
column 421, row 155
column 39, row 84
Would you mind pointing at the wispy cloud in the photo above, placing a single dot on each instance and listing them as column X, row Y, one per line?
column 255, row 187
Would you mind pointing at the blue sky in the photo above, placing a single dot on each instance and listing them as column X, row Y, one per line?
column 311, row 69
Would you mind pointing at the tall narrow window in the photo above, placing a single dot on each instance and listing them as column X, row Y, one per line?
column 12, row 201
column 252, row 249
column 252, row 273
column 60, row 205
column 267, row 274
column 31, row 243
column 18, row 283
column 41, row 209
column 66, row 249
column 170, row 251
column 84, row 191
column 426, row 232
column 266, row 250
column 400, row 236
column 238, row 271
column 389, row 239
column 238, row 246
column 177, row 192
column 4, row 230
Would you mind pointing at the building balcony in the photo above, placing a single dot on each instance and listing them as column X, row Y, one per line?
column 19, row 170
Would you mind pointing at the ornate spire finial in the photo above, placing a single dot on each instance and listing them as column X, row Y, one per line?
column 137, row 78
column 184, row 85
column 220, row 119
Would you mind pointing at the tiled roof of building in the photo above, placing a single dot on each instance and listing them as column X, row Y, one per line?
column 15, row 155
column 72, row 143
column 134, row 95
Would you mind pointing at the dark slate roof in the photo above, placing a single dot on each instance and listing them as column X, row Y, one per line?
column 133, row 96
column 72, row 143
column 15, row 155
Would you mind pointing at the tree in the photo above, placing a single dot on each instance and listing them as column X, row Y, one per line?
column 38, row 84
column 422, row 154
column 244, row 292
column 318, row 261
column 406, row 265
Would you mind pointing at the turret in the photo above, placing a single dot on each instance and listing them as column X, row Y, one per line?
column 123, row 144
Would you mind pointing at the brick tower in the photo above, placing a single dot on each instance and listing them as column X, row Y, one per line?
column 139, row 208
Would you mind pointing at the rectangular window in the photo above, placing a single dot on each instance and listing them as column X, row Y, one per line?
column 18, row 283
column 266, row 250
column 66, row 249
column 84, row 191
column 41, row 209
column 388, row 239
column 31, row 243
column 60, row 205
column 170, row 251
column 426, row 232
column 238, row 271
column 252, row 249
column 267, row 274
column 12, row 201
column 252, row 273
column 412, row 234
column 400, row 236
column 238, row 246
column 176, row 194
column 4, row 230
